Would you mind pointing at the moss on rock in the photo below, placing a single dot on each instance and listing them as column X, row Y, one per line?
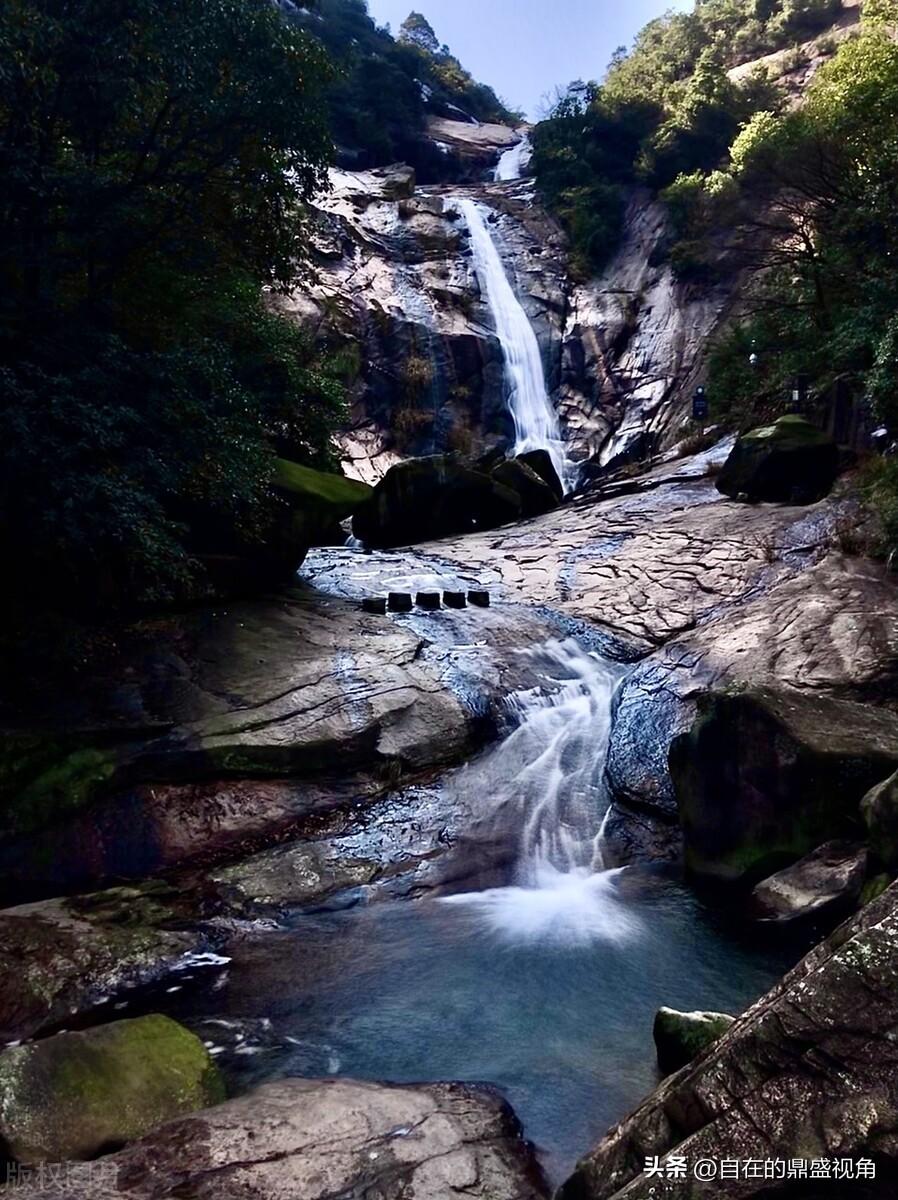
column 76, row 1095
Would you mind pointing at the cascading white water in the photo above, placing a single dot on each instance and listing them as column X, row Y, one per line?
column 547, row 780
column 535, row 420
column 511, row 164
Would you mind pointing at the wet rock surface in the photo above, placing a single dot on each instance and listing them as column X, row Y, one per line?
column 61, row 958
column 825, row 883
column 307, row 1139
column 76, row 1095
column 808, row 1072
column 768, row 774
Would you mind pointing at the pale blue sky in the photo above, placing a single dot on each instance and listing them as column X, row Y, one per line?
column 524, row 48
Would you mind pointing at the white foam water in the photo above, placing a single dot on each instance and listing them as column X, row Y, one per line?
column 512, row 162
column 535, row 420
column 547, row 780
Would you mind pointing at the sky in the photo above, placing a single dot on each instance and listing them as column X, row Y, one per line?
column 526, row 48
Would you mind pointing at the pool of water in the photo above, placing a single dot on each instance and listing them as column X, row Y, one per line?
column 549, row 996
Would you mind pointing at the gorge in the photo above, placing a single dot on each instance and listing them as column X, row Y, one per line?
column 367, row 879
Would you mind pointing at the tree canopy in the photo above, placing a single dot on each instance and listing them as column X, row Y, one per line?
column 155, row 158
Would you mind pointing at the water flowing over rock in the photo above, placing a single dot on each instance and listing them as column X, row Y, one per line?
column 535, row 422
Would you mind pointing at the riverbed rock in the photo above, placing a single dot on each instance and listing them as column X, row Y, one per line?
column 824, row 884
column 682, row 1036
column 809, row 1071
column 308, row 1139
column 218, row 728
column 880, row 812
column 77, row 1095
column 434, row 497
column 767, row 774
column 61, row 958
column 790, row 462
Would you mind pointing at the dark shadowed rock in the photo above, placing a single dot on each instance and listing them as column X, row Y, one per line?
column 536, row 495
column 682, row 1036
column 826, row 883
column 765, row 775
column 308, row 1139
column 434, row 497
column 810, row 1071
column 540, row 461
column 790, row 461
column 60, row 958
column 880, row 812
column 76, row 1095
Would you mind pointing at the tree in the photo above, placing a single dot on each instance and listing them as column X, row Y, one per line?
column 155, row 159
column 417, row 30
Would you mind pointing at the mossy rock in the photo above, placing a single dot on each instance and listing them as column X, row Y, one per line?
column 682, row 1036
column 318, row 501
column 43, row 778
column 767, row 775
column 880, row 812
column 790, row 461
column 77, row 1095
column 434, row 497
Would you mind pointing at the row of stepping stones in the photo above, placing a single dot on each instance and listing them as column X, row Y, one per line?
column 403, row 602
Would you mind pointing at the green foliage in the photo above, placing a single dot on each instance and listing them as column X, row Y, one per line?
column 672, row 94
column 385, row 89
column 154, row 159
column 818, row 190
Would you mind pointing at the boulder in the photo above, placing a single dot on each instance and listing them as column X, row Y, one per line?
column 790, row 461
column 309, row 1139
column 809, row 1072
column 767, row 774
column 397, row 182
column 319, row 500
column 61, row 958
column 879, row 809
column 540, row 461
column 77, row 1095
column 826, row 883
column 428, row 498
column 312, row 505
column 536, row 495
column 682, row 1036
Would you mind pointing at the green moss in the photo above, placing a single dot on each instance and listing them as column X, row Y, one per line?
column 76, row 1094
column 42, row 778
column 335, row 491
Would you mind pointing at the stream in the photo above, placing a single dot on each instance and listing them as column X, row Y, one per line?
column 545, row 986
column 524, row 963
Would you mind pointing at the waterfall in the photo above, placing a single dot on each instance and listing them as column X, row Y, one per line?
column 511, row 164
column 546, row 780
column 535, row 420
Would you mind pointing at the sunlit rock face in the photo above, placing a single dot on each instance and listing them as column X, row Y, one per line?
column 396, row 287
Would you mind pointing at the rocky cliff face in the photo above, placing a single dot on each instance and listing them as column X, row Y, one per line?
column 622, row 351
column 395, row 285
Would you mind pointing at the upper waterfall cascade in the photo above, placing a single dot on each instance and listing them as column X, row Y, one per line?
column 535, row 420
column 512, row 163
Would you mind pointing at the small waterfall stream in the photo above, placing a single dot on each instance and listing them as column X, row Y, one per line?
column 546, row 781
column 535, row 420
column 545, row 987
column 512, row 163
